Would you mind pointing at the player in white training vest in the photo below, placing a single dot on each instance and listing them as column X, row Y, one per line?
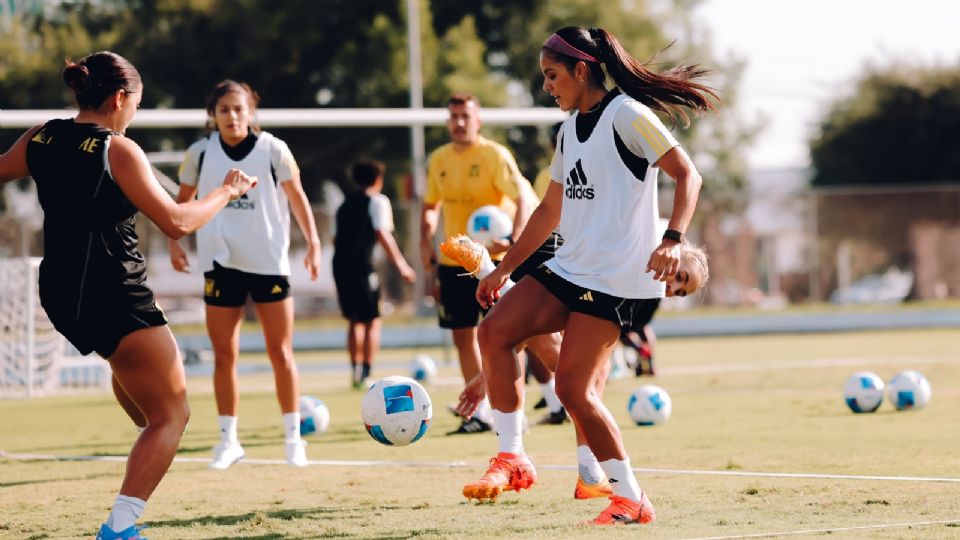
column 243, row 252
column 603, row 197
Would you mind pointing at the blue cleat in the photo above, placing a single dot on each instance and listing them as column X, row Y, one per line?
column 130, row 533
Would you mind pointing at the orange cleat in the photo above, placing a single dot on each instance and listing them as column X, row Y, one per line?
column 507, row 472
column 468, row 254
column 591, row 491
column 623, row 511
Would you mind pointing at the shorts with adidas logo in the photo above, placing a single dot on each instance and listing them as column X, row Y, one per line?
column 227, row 287
column 620, row 311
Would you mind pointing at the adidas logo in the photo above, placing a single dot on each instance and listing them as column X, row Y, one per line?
column 276, row 290
column 612, row 480
column 587, row 297
column 577, row 184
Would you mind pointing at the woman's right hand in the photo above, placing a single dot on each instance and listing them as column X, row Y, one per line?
column 488, row 290
column 178, row 257
column 238, row 182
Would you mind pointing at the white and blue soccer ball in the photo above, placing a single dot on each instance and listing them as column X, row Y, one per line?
column 489, row 223
column 863, row 392
column 314, row 416
column 423, row 368
column 649, row 405
column 396, row 411
column 909, row 389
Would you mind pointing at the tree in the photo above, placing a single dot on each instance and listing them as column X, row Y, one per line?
column 897, row 127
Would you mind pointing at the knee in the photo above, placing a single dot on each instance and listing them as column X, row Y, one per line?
column 491, row 336
column 572, row 394
column 282, row 358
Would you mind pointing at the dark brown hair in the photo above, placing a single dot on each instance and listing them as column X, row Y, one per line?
column 462, row 98
column 98, row 76
column 669, row 92
column 365, row 173
column 223, row 88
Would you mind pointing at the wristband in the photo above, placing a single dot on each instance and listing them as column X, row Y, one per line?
column 673, row 234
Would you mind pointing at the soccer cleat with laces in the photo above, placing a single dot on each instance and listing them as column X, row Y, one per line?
column 130, row 533
column 624, row 511
column 591, row 491
column 296, row 454
column 471, row 255
column 473, row 425
column 225, row 455
column 507, row 472
column 553, row 418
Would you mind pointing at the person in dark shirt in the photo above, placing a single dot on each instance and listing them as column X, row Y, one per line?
column 91, row 181
column 363, row 220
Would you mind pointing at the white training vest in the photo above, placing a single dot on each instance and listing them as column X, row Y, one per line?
column 609, row 216
column 252, row 233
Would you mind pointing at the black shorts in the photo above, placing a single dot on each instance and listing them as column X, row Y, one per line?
column 621, row 311
column 108, row 312
column 458, row 298
column 226, row 287
column 543, row 254
column 643, row 316
column 358, row 294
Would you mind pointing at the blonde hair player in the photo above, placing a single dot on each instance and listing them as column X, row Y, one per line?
column 91, row 182
column 604, row 199
column 244, row 253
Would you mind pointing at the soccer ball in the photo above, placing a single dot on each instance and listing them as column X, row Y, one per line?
column 489, row 223
column 649, row 405
column 396, row 411
column 909, row 389
column 423, row 368
column 863, row 392
column 314, row 416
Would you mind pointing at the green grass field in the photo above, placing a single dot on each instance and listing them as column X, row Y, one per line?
column 741, row 406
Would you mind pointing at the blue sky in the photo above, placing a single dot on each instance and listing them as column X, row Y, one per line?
column 802, row 54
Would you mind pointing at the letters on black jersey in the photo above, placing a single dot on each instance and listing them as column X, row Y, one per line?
column 42, row 137
column 577, row 187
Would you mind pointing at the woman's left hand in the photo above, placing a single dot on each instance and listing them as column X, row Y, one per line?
column 312, row 260
column 665, row 260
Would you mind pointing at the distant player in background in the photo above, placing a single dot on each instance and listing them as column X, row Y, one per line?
column 363, row 220
column 91, row 182
column 603, row 197
column 469, row 172
column 243, row 252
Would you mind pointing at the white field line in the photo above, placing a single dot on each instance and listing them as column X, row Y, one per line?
column 830, row 530
column 806, row 364
column 462, row 464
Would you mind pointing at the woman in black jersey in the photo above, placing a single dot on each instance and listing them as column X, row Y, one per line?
column 91, row 182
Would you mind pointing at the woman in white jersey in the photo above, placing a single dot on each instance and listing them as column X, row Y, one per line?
column 603, row 197
column 244, row 252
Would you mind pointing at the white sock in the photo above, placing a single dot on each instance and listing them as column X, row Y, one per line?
column 228, row 429
column 590, row 470
column 126, row 511
column 509, row 426
column 549, row 391
column 621, row 478
column 484, row 412
column 291, row 426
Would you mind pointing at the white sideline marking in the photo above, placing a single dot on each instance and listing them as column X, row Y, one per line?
column 805, row 364
column 830, row 530
column 463, row 464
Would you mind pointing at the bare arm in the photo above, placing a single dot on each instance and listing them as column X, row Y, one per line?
column 428, row 228
column 542, row 222
column 13, row 163
column 665, row 259
column 178, row 257
column 300, row 207
column 132, row 172
column 389, row 245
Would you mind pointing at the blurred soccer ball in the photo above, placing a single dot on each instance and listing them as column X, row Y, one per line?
column 909, row 389
column 396, row 411
column 863, row 392
column 314, row 416
column 649, row 405
column 423, row 368
column 489, row 223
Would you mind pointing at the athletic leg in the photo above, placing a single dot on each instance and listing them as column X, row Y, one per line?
column 128, row 405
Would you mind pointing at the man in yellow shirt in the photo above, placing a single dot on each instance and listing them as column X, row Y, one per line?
column 469, row 172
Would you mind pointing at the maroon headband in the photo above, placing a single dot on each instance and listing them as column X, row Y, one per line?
column 560, row 45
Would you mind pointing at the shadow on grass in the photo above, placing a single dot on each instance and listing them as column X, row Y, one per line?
column 60, row 479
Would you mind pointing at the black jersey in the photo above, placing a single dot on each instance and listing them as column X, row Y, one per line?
column 92, row 269
column 356, row 238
